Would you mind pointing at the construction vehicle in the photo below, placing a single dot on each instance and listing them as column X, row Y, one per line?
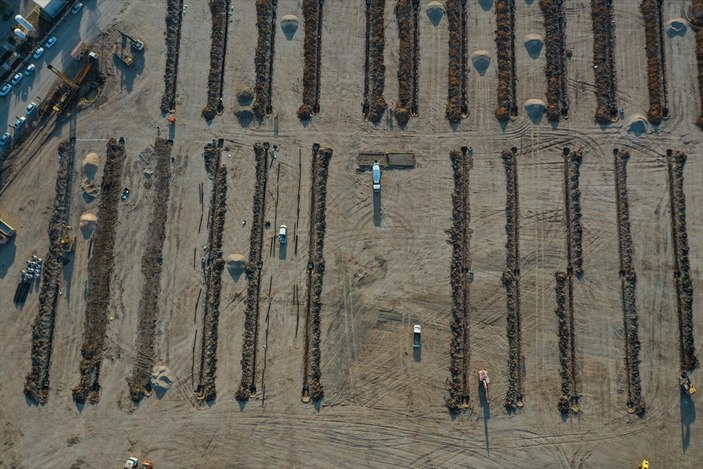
column 6, row 232
column 68, row 243
column 644, row 464
column 417, row 330
column 132, row 463
column 376, row 174
column 686, row 384
column 485, row 381
column 125, row 58
column 283, row 234
column 137, row 44
column 72, row 86
column 147, row 465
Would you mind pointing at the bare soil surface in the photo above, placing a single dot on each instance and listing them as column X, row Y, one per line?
column 387, row 259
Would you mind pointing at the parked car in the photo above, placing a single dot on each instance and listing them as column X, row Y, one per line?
column 38, row 53
column 17, row 78
column 20, row 122
column 76, row 8
column 5, row 89
column 50, row 42
column 4, row 139
column 31, row 107
column 30, row 69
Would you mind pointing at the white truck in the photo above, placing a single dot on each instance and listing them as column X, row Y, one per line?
column 283, row 234
column 6, row 232
column 376, row 174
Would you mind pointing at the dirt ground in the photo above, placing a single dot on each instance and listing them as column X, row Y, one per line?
column 387, row 267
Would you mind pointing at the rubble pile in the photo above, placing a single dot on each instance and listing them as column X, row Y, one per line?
column 604, row 60
column 263, row 58
column 252, row 271
column 656, row 76
column 456, row 75
column 36, row 385
column 408, row 55
column 219, row 12
column 174, row 19
column 697, row 19
column 555, row 69
column 573, row 209
column 100, row 266
column 377, row 69
column 565, row 330
column 505, row 49
column 312, row 15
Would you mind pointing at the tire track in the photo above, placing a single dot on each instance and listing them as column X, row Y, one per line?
column 460, row 268
column 628, row 278
column 100, row 268
column 247, row 386
column 36, row 385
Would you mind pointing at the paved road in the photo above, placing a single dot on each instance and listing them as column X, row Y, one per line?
column 84, row 26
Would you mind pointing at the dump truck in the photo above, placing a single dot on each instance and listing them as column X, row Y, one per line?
column 6, row 232
column 376, row 174
column 417, row 330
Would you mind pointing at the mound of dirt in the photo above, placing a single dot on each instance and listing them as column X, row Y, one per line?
column 533, row 44
column 435, row 12
column 535, row 109
column 637, row 124
column 481, row 60
column 676, row 27
column 90, row 165
column 289, row 25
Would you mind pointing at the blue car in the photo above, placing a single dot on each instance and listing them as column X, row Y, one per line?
column 5, row 89
column 50, row 42
column 4, row 139
column 38, row 53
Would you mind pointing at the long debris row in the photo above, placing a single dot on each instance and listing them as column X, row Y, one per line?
column 697, row 20
column 174, row 19
column 511, row 281
column 555, row 69
column 374, row 104
column 628, row 279
column 140, row 382
column 460, row 270
column 36, row 385
column 407, row 12
column 565, row 282
column 263, row 58
column 100, row 268
column 604, row 60
column 457, row 104
column 247, row 386
column 505, row 46
column 656, row 70
column 312, row 14
column 312, row 386
column 682, row 273
column 213, row 285
column 218, row 50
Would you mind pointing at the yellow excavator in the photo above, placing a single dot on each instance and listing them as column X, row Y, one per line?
column 68, row 242
column 686, row 384
column 72, row 86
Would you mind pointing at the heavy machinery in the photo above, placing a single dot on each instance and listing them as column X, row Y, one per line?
column 125, row 58
column 283, row 234
column 136, row 43
column 485, row 381
column 417, row 331
column 147, row 465
column 72, row 86
column 376, row 175
column 644, row 464
column 68, row 243
column 686, row 384
column 6, row 232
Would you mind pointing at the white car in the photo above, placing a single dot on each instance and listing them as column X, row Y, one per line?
column 50, row 42
column 38, row 53
column 31, row 107
column 4, row 139
column 131, row 463
column 5, row 89
column 20, row 122
column 17, row 78
column 76, row 8
column 30, row 69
